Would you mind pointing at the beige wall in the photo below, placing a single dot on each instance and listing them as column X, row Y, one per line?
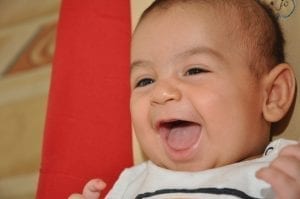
column 292, row 31
column 27, row 34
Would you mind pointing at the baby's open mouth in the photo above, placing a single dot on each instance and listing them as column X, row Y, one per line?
column 180, row 135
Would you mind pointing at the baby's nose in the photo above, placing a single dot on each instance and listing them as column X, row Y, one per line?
column 164, row 92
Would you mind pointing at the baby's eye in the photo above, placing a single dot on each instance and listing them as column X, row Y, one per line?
column 144, row 82
column 195, row 71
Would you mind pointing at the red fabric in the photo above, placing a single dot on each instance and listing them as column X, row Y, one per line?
column 87, row 131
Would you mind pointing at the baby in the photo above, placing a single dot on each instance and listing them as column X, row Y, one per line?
column 209, row 86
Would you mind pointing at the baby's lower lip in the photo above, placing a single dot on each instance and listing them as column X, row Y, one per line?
column 181, row 141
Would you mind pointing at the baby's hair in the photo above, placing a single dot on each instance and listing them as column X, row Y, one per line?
column 257, row 25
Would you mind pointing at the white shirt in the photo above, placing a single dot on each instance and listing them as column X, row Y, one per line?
column 232, row 181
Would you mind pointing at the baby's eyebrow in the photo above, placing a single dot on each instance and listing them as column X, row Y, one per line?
column 186, row 53
column 138, row 63
column 201, row 50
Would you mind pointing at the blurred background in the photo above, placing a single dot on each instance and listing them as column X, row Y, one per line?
column 27, row 43
column 27, row 35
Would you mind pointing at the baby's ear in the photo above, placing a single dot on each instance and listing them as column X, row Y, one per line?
column 280, row 86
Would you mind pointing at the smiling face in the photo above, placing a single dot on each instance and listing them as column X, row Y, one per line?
column 195, row 104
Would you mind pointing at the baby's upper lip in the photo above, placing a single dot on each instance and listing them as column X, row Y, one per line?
column 171, row 122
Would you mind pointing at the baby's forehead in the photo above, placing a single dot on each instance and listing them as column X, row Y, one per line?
column 217, row 5
column 248, row 22
column 237, row 13
column 239, row 19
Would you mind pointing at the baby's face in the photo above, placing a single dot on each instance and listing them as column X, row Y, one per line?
column 195, row 104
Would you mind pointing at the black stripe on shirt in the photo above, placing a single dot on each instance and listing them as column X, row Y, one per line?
column 213, row 191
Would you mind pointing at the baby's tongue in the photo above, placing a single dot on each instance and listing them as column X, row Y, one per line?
column 183, row 137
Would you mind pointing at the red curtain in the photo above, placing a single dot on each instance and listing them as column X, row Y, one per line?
column 87, row 131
